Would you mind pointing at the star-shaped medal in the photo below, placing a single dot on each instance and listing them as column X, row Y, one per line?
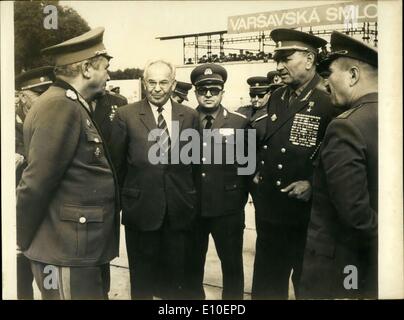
column 274, row 117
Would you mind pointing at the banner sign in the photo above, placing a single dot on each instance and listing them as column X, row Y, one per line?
column 347, row 13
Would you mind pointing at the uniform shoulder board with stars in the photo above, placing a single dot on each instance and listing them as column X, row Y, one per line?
column 71, row 94
column 239, row 114
column 261, row 117
column 347, row 113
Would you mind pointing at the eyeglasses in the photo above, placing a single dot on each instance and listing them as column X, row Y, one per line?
column 213, row 91
column 162, row 84
column 259, row 95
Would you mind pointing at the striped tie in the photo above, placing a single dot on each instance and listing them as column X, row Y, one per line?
column 164, row 140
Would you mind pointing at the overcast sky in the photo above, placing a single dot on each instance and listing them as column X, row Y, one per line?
column 131, row 27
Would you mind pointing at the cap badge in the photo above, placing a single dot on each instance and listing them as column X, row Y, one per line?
column 71, row 94
column 208, row 71
column 279, row 44
column 274, row 117
column 277, row 79
column 257, row 84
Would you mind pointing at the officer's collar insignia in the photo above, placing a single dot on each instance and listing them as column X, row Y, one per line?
column 71, row 94
column 311, row 105
column 274, row 117
column 283, row 95
column 208, row 71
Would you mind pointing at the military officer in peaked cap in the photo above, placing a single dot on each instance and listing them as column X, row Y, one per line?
column 67, row 208
column 29, row 86
column 288, row 139
column 222, row 192
column 342, row 239
column 180, row 92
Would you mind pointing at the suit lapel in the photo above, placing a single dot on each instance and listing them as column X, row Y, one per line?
column 146, row 116
column 277, row 121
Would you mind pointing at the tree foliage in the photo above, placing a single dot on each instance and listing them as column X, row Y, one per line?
column 128, row 73
column 31, row 36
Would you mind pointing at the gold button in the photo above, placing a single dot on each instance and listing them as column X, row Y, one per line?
column 203, row 174
column 262, row 162
column 260, row 177
column 283, row 150
column 265, row 147
column 278, row 183
column 203, row 159
column 280, row 166
column 205, row 144
column 82, row 220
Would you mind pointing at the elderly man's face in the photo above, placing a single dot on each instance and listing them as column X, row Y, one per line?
column 338, row 84
column 159, row 84
column 99, row 76
column 293, row 69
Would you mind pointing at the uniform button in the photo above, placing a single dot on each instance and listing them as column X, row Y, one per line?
column 203, row 174
column 203, row 159
column 265, row 147
column 260, row 177
column 280, row 166
column 205, row 144
column 262, row 162
column 278, row 183
column 82, row 220
column 283, row 150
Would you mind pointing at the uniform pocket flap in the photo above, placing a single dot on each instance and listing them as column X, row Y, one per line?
column 82, row 214
column 135, row 193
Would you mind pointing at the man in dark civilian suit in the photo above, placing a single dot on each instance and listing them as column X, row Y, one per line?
column 158, row 197
column 298, row 114
column 341, row 253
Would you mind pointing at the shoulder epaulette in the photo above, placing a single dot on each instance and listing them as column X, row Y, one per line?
column 261, row 117
column 347, row 113
column 239, row 114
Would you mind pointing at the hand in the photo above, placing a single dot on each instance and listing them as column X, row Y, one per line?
column 300, row 190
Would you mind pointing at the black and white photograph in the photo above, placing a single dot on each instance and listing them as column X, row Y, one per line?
column 202, row 150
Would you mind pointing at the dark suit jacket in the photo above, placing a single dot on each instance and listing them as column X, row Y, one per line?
column 343, row 224
column 222, row 191
column 292, row 135
column 66, row 201
column 150, row 191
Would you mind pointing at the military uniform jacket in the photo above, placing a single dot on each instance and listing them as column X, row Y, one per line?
column 285, row 153
column 104, row 113
column 248, row 112
column 67, row 212
column 344, row 218
column 222, row 191
column 150, row 191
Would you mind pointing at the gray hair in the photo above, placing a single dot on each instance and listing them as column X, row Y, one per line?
column 73, row 70
column 168, row 64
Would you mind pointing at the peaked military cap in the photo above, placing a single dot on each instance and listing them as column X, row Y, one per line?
column 38, row 79
column 289, row 40
column 275, row 81
column 80, row 48
column 182, row 88
column 343, row 45
column 208, row 73
column 258, row 84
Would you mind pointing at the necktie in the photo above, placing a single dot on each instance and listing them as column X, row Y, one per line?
column 209, row 121
column 164, row 140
